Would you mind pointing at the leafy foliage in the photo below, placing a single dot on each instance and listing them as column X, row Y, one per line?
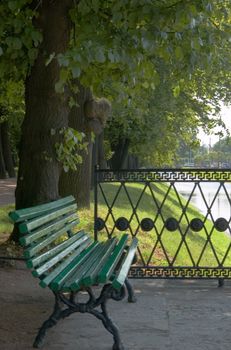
column 19, row 39
column 68, row 150
column 165, row 64
column 12, row 109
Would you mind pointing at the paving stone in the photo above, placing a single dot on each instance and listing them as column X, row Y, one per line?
column 168, row 315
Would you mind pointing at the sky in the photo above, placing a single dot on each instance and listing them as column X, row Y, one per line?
column 211, row 139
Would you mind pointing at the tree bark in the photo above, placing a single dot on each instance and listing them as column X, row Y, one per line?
column 101, row 152
column 45, row 110
column 119, row 158
column 78, row 183
column 3, row 174
column 132, row 162
column 98, row 156
column 7, row 149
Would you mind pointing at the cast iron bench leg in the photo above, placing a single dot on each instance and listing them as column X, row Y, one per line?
column 109, row 325
column 56, row 315
column 131, row 293
column 109, row 293
column 221, row 282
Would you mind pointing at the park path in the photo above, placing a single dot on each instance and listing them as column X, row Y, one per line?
column 168, row 315
column 7, row 190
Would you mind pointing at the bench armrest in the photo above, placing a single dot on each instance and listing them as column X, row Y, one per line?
column 121, row 275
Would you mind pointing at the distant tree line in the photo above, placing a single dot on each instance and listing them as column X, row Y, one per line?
column 218, row 155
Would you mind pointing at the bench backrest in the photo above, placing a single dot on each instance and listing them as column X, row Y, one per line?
column 49, row 230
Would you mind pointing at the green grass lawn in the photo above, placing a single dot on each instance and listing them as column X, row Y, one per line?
column 159, row 246
column 6, row 225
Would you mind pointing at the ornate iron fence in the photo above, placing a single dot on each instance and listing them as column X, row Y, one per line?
column 187, row 232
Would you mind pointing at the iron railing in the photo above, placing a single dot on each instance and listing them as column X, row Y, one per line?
column 187, row 231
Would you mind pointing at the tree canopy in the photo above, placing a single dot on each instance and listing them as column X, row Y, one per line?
column 165, row 65
column 122, row 39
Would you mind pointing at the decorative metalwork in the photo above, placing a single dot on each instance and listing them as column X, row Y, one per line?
column 221, row 224
column 171, row 224
column 164, row 175
column 179, row 272
column 196, row 224
column 147, row 224
column 67, row 304
column 183, row 241
column 122, row 224
column 99, row 224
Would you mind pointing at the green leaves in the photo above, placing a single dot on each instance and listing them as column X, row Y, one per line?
column 68, row 151
column 176, row 91
column 76, row 71
column 115, row 38
column 100, row 57
column 13, row 5
column 19, row 39
column 179, row 53
column 135, row 52
column 14, row 43
column 50, row 58
column 59, row 86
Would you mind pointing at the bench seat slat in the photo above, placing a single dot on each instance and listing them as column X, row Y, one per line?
column 57, row 258
column 31, row 251
column 91, row 277
column 38, row 260
column 79, row 270
column 110, row 265
column 125, row 266
column 75, row 282
column 71, row 261
column 69, row 270
column 38, row 210
column 39, row 221
column 72, row 282
column 44, row 230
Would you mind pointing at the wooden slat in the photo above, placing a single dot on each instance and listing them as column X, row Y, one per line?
column 74, row 283
column 38, row 210
column 32, row 224
column 39, row 260
column 118, row 281
column 77, row 255
column 32, row 251
column 90, row 277
column 57, row 283
column 59, row 257
column 51, row 227
column 110, row 265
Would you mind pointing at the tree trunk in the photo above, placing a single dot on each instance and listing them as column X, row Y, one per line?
column 7, row 149
column 39, row 169
column 98, row 156
column 101, row 153
column 119, row 158
column 132, row 162
column 78, row 182
column 45, row 110
column 2, row 162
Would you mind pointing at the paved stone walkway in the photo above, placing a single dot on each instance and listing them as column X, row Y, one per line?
column 7, row 189
column 169, row 315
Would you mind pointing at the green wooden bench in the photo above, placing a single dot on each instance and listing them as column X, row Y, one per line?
column 69, row 262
